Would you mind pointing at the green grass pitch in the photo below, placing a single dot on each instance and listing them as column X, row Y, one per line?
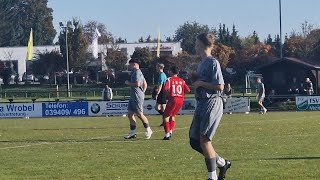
column 280, row 145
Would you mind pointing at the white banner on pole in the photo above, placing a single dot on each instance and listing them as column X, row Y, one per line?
column 94, row 44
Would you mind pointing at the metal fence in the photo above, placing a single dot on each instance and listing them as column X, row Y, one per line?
column 25, row 94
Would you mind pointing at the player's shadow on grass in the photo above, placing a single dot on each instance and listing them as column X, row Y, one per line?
column 79, row 128
column 294, row 158
column 71, row 140
column 54, row 141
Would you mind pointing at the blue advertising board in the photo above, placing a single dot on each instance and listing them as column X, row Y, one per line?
column 64, row 109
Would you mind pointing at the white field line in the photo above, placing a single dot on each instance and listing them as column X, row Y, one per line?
column 105, row 137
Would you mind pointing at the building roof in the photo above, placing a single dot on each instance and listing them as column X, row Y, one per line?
column 303, row 62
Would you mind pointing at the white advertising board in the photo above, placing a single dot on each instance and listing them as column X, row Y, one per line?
column 13, row 110
column 103, row 108
column 149, row 107
column 100, row 108
column 241, row 104
column 188, row 107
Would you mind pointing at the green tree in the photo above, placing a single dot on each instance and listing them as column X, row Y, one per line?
column 116, row 59
column 269, row 40
column 120, row 40
column 277, row 43
column 168, row 39
column 250, row 40
column 148, row 39
column 223, row 35
column 187, row 33
column 225, row 38
column 255, row 37
column 19, row 16
column 294, row 47
column 48, row 63
column 77, row 45
column 186, row 61
column 306, row 28
column 235, row 41
column 223, row 54
column 144, row 55
column 256, row 50
column 141, row 40
column 303, row 44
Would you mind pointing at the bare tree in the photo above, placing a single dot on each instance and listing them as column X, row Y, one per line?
column 89, row 29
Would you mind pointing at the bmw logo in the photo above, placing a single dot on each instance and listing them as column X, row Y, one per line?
column 95, row 108
column 149, row 107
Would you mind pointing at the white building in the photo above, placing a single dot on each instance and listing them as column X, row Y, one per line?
column 166, row 48
column 15, row 57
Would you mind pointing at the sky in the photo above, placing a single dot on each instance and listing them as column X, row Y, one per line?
column 132, row 19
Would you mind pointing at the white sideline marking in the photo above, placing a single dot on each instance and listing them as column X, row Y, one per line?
column 105, row 137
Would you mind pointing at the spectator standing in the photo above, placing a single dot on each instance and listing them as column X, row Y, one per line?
column 107, row 94
column 309, row 87
column 228, row 90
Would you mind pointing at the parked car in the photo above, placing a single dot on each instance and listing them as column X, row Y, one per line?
column 29, row 78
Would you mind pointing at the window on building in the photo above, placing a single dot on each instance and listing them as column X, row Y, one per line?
column 124, row 50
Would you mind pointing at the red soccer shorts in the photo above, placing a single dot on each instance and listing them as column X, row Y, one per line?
column 173, row 107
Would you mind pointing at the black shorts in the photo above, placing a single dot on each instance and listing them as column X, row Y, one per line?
column 162, row 98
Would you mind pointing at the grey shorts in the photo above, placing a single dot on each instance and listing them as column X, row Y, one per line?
column 206, row 118
column 135, row 105
column 261, row 98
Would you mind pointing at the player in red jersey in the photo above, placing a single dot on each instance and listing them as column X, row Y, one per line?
column 176, row 87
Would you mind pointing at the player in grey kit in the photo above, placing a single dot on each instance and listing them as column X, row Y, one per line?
column 138, row 86
column 261, row 94
column 209, row 85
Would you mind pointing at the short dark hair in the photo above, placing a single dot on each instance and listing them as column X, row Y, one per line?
column 161, row 66
column 134, row 60
column 174, row 70
column 206, row 38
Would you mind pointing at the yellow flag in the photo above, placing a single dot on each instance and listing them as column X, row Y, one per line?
column 158, row 45
column 30, row 47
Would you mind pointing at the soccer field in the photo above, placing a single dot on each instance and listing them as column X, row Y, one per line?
column 281, row 145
